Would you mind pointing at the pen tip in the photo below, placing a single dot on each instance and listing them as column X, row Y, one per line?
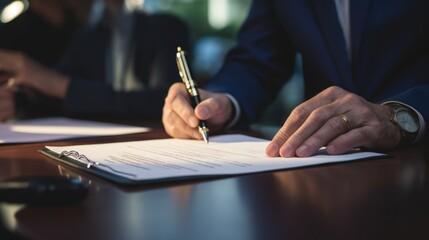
column 206, row 137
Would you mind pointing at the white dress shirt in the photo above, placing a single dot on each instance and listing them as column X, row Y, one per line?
column 121, row 72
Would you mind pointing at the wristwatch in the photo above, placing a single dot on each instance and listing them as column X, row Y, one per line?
column 406, row 120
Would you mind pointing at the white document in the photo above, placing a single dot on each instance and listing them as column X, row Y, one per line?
column 175, row 158
column 48, row 129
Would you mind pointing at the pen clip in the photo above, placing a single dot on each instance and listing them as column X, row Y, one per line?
column 185, row 73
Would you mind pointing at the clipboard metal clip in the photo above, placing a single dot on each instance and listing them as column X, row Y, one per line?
column 90, row 163
column 78, row 156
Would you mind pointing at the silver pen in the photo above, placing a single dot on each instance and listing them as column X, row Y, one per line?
column 192, row 89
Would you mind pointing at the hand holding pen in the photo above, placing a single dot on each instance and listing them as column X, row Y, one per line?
column 182, row 117
column 191, row 87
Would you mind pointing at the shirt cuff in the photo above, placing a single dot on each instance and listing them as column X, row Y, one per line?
column 422, row 122
column 236, row 111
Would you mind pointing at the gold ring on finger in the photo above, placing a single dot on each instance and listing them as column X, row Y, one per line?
column 346, row 121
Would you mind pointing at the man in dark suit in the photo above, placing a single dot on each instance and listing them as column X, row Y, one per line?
column 118, row 67
column 366, row 73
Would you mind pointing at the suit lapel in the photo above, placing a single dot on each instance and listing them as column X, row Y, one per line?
column 358, row 14
column 358, row 18
column 327, row 19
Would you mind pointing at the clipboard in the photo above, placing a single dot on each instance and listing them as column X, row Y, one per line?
column 162, row 160
column 106, row 175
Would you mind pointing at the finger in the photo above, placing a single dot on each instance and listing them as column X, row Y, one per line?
column 297, row 118
column 293, row 122
column 348, row 141
column 10, row 61
column 206, row 109
column 317, row 119
column 307, row 118
column 333, row 128
column 176, row 127
column 216, row 108
column 12, row 68
column 178, row 100
column 313, row 123
column 181, row 106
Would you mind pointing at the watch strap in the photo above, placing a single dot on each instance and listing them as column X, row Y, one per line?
column 407, row 138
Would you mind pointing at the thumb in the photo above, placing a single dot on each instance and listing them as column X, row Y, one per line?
column 216, row 108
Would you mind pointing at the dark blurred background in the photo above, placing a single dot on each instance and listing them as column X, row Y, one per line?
column 213, row 25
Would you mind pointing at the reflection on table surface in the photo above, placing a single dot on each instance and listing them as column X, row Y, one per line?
column 369, row 199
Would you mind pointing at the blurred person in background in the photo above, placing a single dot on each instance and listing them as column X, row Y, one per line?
column 118, row 67
column 43, row 32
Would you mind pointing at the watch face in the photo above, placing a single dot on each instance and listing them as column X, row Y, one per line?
column 407, row 121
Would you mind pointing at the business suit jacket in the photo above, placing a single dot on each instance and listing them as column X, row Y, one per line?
column 390, row 52
column 154, row 43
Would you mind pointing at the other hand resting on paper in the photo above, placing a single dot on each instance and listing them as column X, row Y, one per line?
column 315, row 123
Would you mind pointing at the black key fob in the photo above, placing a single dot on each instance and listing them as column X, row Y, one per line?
column 42, row 190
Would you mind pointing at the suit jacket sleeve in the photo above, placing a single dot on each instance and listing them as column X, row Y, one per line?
column 256, row 68
column 391, row 64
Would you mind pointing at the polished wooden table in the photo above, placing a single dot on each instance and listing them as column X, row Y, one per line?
column 368, row 199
